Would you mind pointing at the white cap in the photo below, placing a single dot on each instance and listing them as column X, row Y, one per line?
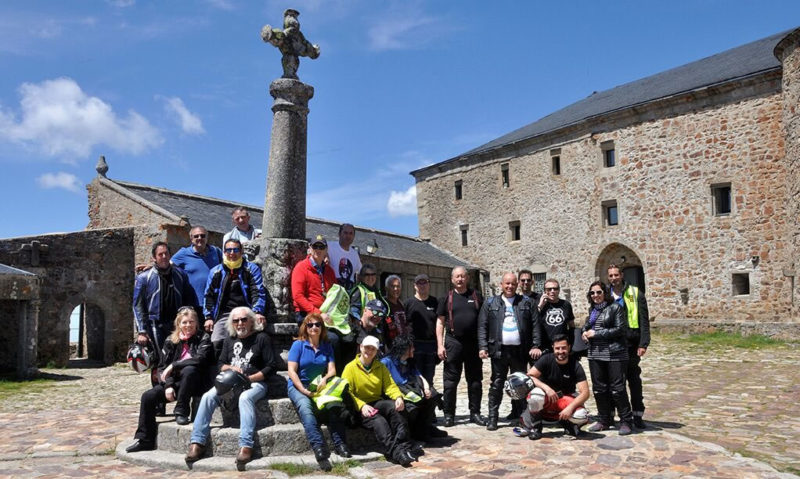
column 371, row 341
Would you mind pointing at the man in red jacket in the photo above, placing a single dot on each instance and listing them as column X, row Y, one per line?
column 311, row 279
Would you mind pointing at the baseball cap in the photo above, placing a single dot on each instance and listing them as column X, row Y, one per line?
column 371, row 341
column 377, row 307
column 319, row 239
column 421, row 277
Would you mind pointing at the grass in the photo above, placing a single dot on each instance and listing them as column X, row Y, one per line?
column 728, row 340
column 290, row 469
column 9, row 388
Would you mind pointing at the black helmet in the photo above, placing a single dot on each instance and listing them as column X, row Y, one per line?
column 231, row 380
column 518, row 385
column 141, row 358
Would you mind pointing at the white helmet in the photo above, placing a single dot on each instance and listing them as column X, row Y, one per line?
column 140, row 357
column 536, row 400
column 580, row 416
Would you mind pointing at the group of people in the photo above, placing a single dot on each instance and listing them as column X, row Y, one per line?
column 366, row 356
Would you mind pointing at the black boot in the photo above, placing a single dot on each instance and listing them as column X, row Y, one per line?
column 492, row 424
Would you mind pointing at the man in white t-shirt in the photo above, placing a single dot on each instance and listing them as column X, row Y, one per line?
column 505, row 335
column 344, row 259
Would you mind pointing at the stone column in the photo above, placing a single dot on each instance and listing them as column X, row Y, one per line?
column 285, row 202
column 788, row 52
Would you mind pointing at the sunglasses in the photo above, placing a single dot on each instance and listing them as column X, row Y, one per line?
column 596, row 293
column 313, row 325
column 552, row 289
column 239, row 320
column 233, row 250
column 319, row 246
column 422, row 281
column 198, row 236
column 524, row 281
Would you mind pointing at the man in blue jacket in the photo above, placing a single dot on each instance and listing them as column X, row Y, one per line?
column 236, row 282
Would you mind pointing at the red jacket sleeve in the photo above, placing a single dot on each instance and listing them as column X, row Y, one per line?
column 300, row 285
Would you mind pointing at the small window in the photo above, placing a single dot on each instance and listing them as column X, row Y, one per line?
column 722, row 199
column 459, row 190
column 538, row 282
column 609, row 154
column 610, row 213
column 555, row 161
column 505, row 175
column 514, row 229
column 464, row 240
column 741, row 284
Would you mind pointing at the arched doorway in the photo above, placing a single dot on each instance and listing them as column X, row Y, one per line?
column 87, row 328
column 624, row 257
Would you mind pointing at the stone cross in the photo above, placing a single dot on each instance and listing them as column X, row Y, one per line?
column 36, row 248
column 291, row 42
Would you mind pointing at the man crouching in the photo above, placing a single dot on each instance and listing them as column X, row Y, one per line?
column 248, row 351
column 556, row 376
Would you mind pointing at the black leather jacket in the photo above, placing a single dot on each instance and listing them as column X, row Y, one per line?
column 200, row 350
column 490, row 324
column 610, row 334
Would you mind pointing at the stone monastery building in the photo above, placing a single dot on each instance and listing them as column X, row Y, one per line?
column 687, row 179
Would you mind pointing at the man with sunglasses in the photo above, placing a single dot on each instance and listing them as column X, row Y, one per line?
column 421, row 313
column 234, row 283
column 526, row 286
column 373, row 323
column 197, row 260
column 553, row 316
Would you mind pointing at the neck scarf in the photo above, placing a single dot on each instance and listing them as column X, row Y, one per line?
column 232, row 265
column 185, row 351
column 596, row 308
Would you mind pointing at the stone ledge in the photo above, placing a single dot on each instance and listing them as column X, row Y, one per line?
column 174, row 460
column 775, row 330
column 277, row 440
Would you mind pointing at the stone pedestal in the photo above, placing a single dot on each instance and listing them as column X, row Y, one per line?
column 285, row 202
column 277, row 257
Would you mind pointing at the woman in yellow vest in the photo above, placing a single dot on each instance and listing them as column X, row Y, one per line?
column 311, row 365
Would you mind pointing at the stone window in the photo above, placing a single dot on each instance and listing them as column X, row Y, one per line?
column 459, row 189
column 609, row 154
column 538, row 282
column 515, row 230
column 721, row 194
column 555, row 161
column 610, row 213
column 741, row 284
column 464, row 238
column 505, row 176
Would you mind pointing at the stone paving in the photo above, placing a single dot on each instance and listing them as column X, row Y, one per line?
column 706, row 411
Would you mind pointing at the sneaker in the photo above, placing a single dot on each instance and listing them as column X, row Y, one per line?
column 598, row 426
column 520, row 431
column 639, row 422
column 535, row 434
column 624, row 429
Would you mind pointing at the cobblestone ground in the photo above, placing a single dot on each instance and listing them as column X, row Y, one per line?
column 706, row 409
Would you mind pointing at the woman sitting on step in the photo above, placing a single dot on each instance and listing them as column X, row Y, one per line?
column 311, row 365
column 370, row 384
column 248, row 351
column 183, row 374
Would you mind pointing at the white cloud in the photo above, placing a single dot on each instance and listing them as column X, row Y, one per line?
column 402, row 203
column 121, row 3
column 60, row 119
column 66, row 181
column 221, row 4
column 189, row 122
column 400, row 34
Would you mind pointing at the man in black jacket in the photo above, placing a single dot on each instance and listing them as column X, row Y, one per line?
column 505, row 334
column 553, row 317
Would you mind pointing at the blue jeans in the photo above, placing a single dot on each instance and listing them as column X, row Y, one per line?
column 307, row 411
column 247, row 414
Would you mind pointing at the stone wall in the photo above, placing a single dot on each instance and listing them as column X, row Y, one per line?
column 95, row 267
column 788, row 52
column 668, row 156
column 109, row 207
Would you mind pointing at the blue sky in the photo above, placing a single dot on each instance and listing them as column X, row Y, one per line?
column 175, row 93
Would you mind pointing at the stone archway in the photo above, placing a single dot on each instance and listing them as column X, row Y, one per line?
column 91, row 335
column 628, row 261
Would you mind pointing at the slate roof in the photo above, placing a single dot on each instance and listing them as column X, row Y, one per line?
column 740, row 62
column 215, row 215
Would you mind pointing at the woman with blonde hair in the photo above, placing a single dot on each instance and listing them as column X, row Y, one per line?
column 182, row 374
